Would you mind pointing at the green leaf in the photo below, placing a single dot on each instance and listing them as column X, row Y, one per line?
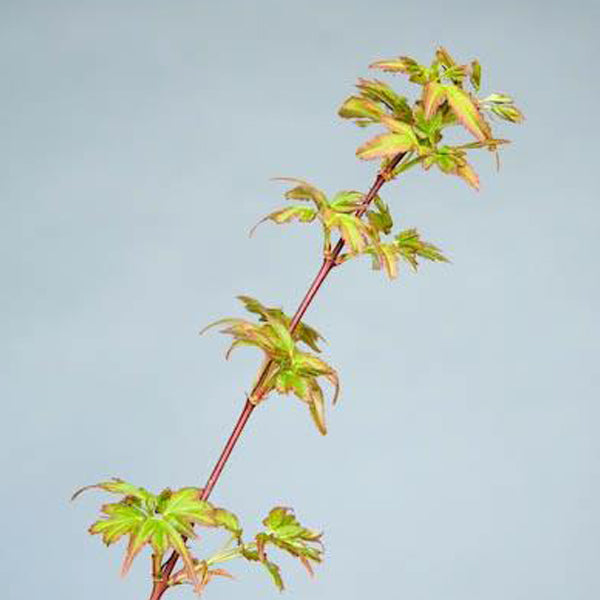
column 226, row 519
column 508, row 113
column 353, row 231
column 300, row 378
column 118, row 486
column 411, row 248
column 258, row 555
column 308, row 335
column 253, row 305
column 387, row 144
column 380, row 219
column 303, row 332
column 407, row 246
column 281, row 522
column 386, row 256
column 466, row 111
column 153, row 531
column 275, row 573
column 273, row 337
column 284, row 339
column 304, row 191
column 475, row 76
column 304, row 214
column 456, row 74
column 180, row 546
column 284, row 530
column 496, row 98
column 120, row 519
column 288, row 381
column 503, row 106
column 347, row 201
column 184, row 508
column 443, row 57
column 451, row 160
column 307, row 364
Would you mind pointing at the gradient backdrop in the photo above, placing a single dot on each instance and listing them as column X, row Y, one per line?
column 138, row 139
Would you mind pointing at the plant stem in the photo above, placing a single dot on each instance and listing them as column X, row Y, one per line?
column 161, row 585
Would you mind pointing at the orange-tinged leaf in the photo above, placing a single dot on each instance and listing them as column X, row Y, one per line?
column 396, row 126
column 137, row 541
column 387, row 144
column 394, row 65
column 333, row 378
column 467, row 112
column 207, row 575
column 434, row 95
column 304, row 191
column 379, row 91
column 475, row 76
column 356, row 107
column 181, row 547
column 385, row 256
column 443, row 57
column 317, row 409
column 466, row 172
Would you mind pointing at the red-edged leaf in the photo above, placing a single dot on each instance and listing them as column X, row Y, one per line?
column 401, row 64
column 356, row 107
column 304, row 214
column 475, row 76
column 387, row 144
column 443, row 57
column 466, row 172
column 304, row 191
column 467, row 112
column 434, row 95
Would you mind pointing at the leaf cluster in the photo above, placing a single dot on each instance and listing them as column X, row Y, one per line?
column 337, row 214
column 291, row 369
column 165, row 522
column 370, row 236
column 283, row 531
column 162, row 521
column 417, row 129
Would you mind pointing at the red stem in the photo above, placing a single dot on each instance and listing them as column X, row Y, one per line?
column 161, row 585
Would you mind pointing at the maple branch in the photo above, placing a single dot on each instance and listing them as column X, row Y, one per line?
column 161, row 583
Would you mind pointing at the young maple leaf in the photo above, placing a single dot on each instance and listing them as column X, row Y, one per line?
column 291, row 370
column 160, row 521
column 415, row 131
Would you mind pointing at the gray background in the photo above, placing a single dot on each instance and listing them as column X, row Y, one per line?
column 138, row 142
